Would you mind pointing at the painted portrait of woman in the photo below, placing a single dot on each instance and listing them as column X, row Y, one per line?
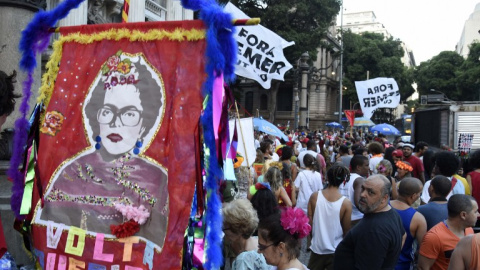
column 112, row 182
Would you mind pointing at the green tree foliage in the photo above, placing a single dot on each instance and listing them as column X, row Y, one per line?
column 303, row 21
column 380, row 57
column 468, row 75
column 439, row 73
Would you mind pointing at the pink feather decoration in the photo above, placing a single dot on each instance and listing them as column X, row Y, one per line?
column 139, row 214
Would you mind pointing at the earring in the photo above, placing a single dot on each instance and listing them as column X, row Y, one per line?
column 136, row 150
column 98, row 139
column 281, row 254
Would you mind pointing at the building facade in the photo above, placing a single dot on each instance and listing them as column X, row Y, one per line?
column 470, row 33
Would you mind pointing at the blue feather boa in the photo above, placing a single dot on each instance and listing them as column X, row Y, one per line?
column 35, row 39
column 221, row 58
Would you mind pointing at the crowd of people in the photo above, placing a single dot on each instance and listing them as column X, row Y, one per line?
column 352, row 201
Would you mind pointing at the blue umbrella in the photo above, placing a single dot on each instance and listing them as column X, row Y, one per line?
column 263, row 125
column 385, row 129
column 334, row 125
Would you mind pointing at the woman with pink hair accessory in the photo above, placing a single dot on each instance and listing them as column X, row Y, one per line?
column 279, row 238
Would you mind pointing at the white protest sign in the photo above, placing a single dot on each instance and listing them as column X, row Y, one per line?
column 377, row 93
column 260, row 51
column 245, row 140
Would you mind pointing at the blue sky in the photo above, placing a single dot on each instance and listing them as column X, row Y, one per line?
column 426, row 26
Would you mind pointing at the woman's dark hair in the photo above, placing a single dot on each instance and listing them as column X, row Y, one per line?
column 265, row 203
column 287, row 153
column 7, row 96
column 310, row 162
column 271, row 230
column 474, row 160
column 375, row 148
column 355, row 147
column 150, row 98
column 359, row 151
column 446, row 162
column 428, row 163
column 337, row 174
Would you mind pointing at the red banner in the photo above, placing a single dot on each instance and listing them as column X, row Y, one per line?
column 350, row 114
column 117, row 146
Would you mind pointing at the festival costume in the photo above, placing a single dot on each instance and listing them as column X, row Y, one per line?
column 438, row 244
column 407, row 253
column 374, row 243
column 288, row 183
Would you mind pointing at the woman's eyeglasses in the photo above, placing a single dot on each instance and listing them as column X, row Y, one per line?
column 263, row 247
column 129, row 116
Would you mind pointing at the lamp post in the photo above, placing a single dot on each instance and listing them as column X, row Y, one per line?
column 304, row 69
column 296, row 99
column 440, row 92
column 341, row 68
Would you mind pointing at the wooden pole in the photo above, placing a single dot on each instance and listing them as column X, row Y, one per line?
column 241, row 134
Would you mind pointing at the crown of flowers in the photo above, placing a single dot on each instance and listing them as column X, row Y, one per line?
column 277, row 164
column 118, row 71
column 381, row 168
column 404, row 166
column 295, row 221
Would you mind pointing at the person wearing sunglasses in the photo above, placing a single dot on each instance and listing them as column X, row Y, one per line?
column 239, row 223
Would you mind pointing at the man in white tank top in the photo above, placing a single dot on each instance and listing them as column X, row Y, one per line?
column 359, row 166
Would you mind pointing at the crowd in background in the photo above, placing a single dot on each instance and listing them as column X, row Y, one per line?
column 370, row 203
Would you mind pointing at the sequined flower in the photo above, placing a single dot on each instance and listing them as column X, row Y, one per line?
column 53, row 123
column 123, row 67
column 131, row 79
column 112, row 62
column 114, row 81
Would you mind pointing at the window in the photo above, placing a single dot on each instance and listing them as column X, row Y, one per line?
column 284, row 98
column 249, row 102
column 264, row 102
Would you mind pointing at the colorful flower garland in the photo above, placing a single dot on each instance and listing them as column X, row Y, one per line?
column 403, row 166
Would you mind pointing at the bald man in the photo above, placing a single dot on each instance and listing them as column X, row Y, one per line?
column 376, row 241
column 414, row 223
